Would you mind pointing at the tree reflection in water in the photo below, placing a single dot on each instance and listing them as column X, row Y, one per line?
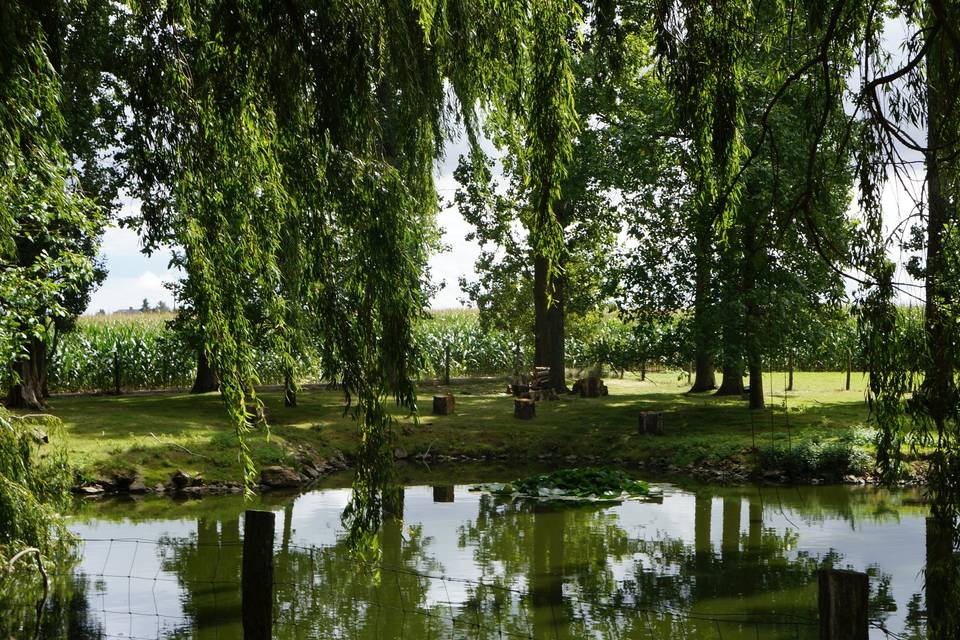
column 723, row 564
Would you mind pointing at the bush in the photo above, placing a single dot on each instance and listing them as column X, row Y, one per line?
column 812, row 458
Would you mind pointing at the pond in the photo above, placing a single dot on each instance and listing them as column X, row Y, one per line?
column 724, row 563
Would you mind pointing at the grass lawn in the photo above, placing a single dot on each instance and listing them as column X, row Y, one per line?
column 158, row 434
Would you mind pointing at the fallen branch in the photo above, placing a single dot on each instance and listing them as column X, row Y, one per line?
column 32, row 415
column 181, row 447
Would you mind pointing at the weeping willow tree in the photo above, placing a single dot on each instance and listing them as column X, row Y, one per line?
column 288, row 148
column 39, row 205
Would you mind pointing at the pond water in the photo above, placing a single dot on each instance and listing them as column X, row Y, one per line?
column 724, row 563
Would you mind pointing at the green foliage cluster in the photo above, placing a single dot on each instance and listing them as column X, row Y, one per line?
column 586, row 483
column 817, row 458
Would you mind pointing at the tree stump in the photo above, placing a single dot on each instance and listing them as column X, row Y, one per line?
column 524, row 409
column 443, row 405
column 651, row 422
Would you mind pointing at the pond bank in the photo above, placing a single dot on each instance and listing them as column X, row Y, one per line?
column 311, row 473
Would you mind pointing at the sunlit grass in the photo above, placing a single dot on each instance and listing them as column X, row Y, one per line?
column 158, row 434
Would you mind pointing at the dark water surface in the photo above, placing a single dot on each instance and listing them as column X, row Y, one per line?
column 731, row 564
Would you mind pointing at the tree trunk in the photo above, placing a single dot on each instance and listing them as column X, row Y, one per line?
column 753, row 258
column 756, row 385
column 706, row 377
column 790, row 374
column 549, row 327
column 940, row 393
column 27, row 392
column 732, row 384
column 207, row 379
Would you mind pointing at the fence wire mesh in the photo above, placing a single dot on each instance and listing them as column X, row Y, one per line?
column 139, row 588
column 167, row 588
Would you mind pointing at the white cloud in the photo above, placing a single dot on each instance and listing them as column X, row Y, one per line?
column 123, row 291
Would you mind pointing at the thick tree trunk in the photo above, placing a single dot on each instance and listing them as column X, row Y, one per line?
column 706, row 376
column 27, row 393
column 732, row 384
column 207, row 379
column 549, row 326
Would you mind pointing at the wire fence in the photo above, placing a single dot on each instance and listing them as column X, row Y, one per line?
column 191, row 588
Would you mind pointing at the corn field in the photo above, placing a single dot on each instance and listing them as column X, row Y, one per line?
column 140, row 351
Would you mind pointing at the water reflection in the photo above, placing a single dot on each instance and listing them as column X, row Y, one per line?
column 731, row 564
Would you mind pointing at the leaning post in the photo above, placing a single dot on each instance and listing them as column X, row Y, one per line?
column 446, row 365
column 257, row 576
column 116, row 371
column 843, row 600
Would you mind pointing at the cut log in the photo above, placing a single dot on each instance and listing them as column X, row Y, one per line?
column 443, row 405
column 524, row 409
column 651, row 422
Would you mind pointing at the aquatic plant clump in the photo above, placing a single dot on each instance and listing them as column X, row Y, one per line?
column 577, row 485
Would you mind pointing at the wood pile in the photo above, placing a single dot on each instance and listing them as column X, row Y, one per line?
column 591, row 387
column 535, row 387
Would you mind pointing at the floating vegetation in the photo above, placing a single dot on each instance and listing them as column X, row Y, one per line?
column 574, row 485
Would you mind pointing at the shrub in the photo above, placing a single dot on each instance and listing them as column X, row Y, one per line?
column 813, row 458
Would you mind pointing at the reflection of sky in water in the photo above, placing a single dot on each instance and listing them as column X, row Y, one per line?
column 895, row 545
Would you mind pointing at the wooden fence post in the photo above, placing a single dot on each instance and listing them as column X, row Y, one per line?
column 849, row 367
column 257, row 577
column 443, row 493
column 446, row 365
column 843, row 600
column 116, row 372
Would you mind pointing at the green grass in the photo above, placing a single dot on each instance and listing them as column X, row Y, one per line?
column 158, row 434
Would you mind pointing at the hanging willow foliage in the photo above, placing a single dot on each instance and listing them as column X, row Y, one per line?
column 288, row 148
column 34, row 486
